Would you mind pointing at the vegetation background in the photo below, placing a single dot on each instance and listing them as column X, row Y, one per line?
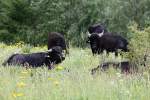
column 31, row 20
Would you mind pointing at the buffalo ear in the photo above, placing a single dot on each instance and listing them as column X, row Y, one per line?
column 88, row 34
column 64, row 53
column 50, row 50
column 101, row 34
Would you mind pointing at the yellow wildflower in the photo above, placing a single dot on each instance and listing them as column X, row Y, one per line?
column 56, row 83
column 118, row 75
column 24, row 72
column 50, row 78
column 29, row 70
column 22, row 77
column 21, row 84
column 59, row 68
column 14, row 94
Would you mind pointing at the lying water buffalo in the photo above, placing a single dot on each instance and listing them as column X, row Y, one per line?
column 124, row 66
column 57, row 39
column 110, row 43
column 53, row 56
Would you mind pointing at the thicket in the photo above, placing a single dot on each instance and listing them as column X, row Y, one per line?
column 31, row 20
column 139, row 47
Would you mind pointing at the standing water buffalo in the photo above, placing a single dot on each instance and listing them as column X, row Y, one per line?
column 110, row 43
column 53, row 56
column 57, row 39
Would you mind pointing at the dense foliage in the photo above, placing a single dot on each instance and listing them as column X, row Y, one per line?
column 139, row 46
column 31, row 20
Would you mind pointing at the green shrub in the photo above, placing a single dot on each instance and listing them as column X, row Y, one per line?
column 139, row 45
column 26, row 48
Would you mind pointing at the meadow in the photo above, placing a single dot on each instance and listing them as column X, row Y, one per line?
column 70, row 80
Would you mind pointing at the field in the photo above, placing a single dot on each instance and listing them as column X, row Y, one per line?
column 71, row 80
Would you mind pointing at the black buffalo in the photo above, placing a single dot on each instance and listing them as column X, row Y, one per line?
column 110, row 43
column 53, row 56
column 124, row 66
column 57, row 39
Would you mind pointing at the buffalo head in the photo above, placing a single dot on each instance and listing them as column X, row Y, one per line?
column 97, row 28
column 56, row 54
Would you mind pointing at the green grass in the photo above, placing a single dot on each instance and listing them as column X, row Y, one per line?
column 18, row 83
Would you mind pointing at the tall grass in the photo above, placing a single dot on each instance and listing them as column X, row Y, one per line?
column 72, row 82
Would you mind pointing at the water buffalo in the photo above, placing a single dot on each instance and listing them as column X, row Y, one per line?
column 124, row 66
column 57, row 39
column 110, row 43
column 53, row 56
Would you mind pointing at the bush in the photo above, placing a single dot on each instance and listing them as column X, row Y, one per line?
column 26, row 48
column 139, row 45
